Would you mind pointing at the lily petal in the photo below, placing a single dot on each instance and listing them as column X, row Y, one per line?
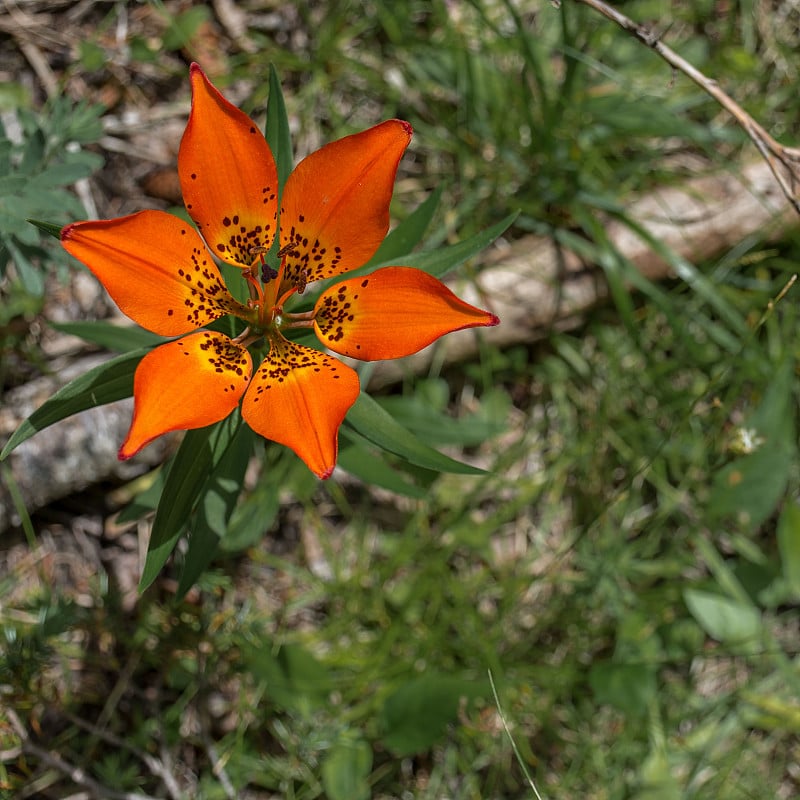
column 189, row 383
column 391, row 313
column 228, row 176
column 299, row 397
column 335, row 206
column 156, row 268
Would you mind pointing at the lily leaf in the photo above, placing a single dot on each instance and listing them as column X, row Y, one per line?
column 277, row 130
column 356, row 459
column 103, row 384
column 408, row 234
column 441, row 261
column 119, row 338
column 379, row 427
column 198, row 456
column 218, row 500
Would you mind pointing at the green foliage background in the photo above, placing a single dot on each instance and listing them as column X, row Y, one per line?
column 628, row 569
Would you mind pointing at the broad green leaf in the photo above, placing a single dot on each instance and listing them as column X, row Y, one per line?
column 789, row 546
column 119, row 338
column 408, row 234
column 345, row 770
column 416, row 715
column 728, row 621
column 439, row 262
column 103, row 384
column 198, row 455
column 293, row 678
column 754, row 484
column 380, row 428
column 277, row 129
column 628, row 687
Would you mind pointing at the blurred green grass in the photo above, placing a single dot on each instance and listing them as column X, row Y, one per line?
column 627, row 571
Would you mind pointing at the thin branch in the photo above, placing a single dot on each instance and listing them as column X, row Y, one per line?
column 156, row 767
column 77, row 775
column 773, row 152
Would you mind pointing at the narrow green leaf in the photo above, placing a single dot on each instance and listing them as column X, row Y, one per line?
column 408, row 234
column 436, row 427
column 360, row 462
column 103, row 384
column 30, row 277
column 198, row 455
column 119, row 338
column 218, row 499
column 439, row 262
column 695, row 279
column 277, row 130
column 47, row 227
column 380, row 428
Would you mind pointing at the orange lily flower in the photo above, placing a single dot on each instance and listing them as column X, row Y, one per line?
column 334, row 214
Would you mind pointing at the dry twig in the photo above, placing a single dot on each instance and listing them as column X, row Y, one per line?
column 774, row 153
column 77, row 775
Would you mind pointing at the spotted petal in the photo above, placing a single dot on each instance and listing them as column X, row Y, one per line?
column 156, row 268
column 391, row 313
column 228, row 176
column 299, row 397
column 189, row 383
column 335, row 206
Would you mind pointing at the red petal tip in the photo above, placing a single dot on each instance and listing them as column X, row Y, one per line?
column 325, row 475
column 123, row 456
column 195, row 67
column 66, row 231
column 495, row 320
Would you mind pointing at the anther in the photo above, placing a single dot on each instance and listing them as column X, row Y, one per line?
column 287, row 250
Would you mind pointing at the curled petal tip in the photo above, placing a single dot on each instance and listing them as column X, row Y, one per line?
column 66, row 231
column 493, row 320
column 406, row 127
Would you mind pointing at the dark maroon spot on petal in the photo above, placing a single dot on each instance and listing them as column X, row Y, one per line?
column 194, row 176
